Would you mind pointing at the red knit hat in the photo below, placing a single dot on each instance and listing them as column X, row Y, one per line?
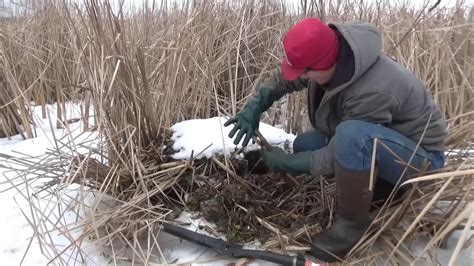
column 308, row 44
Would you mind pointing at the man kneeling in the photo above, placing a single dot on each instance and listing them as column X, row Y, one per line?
column 356, row 94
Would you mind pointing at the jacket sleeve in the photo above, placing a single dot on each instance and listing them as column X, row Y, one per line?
column 371, row 106
column 321, row 162
column 277, row 87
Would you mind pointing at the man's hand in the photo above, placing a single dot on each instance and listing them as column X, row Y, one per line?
column 245, row 123
column 275, row 159
column 279, row 161
column 248, row 119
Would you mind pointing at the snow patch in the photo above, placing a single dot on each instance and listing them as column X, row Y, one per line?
column 208, row 137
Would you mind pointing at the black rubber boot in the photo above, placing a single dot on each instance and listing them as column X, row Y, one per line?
column 382, row 191
column 353, row 216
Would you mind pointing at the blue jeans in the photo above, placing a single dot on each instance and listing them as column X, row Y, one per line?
column 354, row 144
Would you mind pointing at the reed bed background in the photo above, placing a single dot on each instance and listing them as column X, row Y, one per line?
column 145, row 69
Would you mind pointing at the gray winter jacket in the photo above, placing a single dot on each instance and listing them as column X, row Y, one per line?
column 380, row 91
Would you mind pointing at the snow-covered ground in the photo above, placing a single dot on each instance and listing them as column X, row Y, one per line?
column 20, row 244
column 207, row 137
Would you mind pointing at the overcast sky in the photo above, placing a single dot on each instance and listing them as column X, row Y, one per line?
column 418, row 3
column 11, row 6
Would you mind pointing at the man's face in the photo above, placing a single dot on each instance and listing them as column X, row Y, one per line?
column 320, row 76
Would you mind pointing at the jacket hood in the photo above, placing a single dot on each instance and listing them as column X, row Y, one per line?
column 365, row 42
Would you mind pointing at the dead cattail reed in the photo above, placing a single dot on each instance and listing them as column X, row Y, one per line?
column 145, row 70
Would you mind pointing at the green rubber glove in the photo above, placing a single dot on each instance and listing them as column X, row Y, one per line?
column 279, row 161
column 247, row 120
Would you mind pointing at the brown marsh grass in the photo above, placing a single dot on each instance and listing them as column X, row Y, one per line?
column 145, row 70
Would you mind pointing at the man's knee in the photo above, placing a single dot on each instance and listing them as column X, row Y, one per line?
column 352, row 132
column 351, row 138
column 309, row 141
column 299, row 143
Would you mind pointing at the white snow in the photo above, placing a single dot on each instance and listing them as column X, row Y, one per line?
column 19, row 242
column 202, row 137
column 207, row 137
